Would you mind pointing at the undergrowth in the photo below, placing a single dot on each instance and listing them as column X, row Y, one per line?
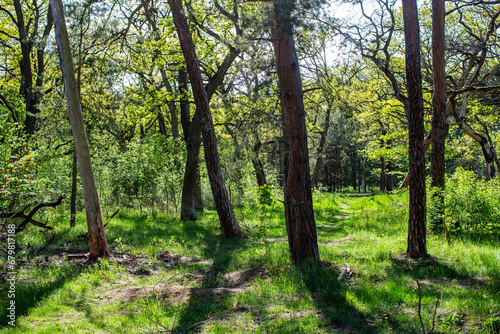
column 166, row 275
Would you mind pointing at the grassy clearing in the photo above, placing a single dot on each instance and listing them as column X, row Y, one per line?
column 171, row 276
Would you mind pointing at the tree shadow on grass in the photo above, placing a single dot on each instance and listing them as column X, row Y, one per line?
column 29, row 293
column 212, row 297
column 329, row 296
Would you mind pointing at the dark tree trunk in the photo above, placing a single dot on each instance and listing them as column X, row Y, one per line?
column 198, row 198
column 192, row 137
column 190, row 184
column 74, row 180
column 354, row 170
column 26, row 88
column 388, row 183
column 161, row 124
column 97, row 238
column 363, row 175
column 321, row 148
column 257, row 165
column 417, row 246
column 299, row 214
column 438, row 124
column 184, row 105
column 229, row 225
column 383, row 178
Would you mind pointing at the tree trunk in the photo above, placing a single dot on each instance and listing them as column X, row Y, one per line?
column 257, row 165
column 229, row 225
column 299, row 214
column 354, row 171
column 97, row 238
column 388, row 182
column 363, row 175
column 438, row 124
column 383, row 178
column 417, row 247
column 198, row 198
column 184, row 105
column 26, row 88
column 190, row 184
column 72, row 221
column 321, row 148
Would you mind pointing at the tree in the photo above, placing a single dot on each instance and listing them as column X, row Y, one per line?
column 438, row 125
column 31, row 87
column 417, row 247
column 229, row 225
column 97, row 238
column 299, row 214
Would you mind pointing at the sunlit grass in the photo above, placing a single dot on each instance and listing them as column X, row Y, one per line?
column 250, row 285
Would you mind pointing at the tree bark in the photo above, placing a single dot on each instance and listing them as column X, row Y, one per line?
column 321, row 147
column 257, row 165
column 438, row 123
column 74, row 172
column 363, row 175
column 299, row 214
column 388, row 182
column 97, row 238
column 417, row 246
column 26, row 88
column 190, row 184
column 229, row 225
column 488, row 152
column 383, row 178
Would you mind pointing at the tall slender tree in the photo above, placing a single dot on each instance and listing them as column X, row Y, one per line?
column 438, row 124
column 417, row 246
column 299, row 214
column 97, row 238
column 229, row 225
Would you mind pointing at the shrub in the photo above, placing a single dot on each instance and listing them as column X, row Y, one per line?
column 472, row 206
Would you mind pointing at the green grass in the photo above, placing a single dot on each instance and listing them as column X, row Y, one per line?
column 250, row 285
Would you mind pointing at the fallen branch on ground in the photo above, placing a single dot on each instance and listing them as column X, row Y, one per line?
column 28, row 218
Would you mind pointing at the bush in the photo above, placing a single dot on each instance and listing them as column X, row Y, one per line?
column 472, row 206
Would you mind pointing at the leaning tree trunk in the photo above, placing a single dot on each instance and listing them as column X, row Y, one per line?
column 417, row 208
column 299, row 214
column 97, row 238
column 74, row 172
column 229, row 225
column 438, row 124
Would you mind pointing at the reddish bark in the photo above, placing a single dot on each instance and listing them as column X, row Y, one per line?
column 417, row 207
column 299, row 214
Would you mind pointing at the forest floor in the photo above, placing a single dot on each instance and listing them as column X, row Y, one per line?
column 168, row 276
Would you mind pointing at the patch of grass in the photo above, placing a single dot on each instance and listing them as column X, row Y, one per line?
column 171, row 276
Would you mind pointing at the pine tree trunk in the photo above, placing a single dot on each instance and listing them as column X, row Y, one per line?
column 97, row 238
column 438, row 124
column 417, row 247
column 299, row 214
column 229, row 225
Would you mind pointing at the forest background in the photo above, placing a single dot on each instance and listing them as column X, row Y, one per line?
column 143, row 132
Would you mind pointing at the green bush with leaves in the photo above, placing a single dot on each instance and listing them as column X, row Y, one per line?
column 472, row 206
